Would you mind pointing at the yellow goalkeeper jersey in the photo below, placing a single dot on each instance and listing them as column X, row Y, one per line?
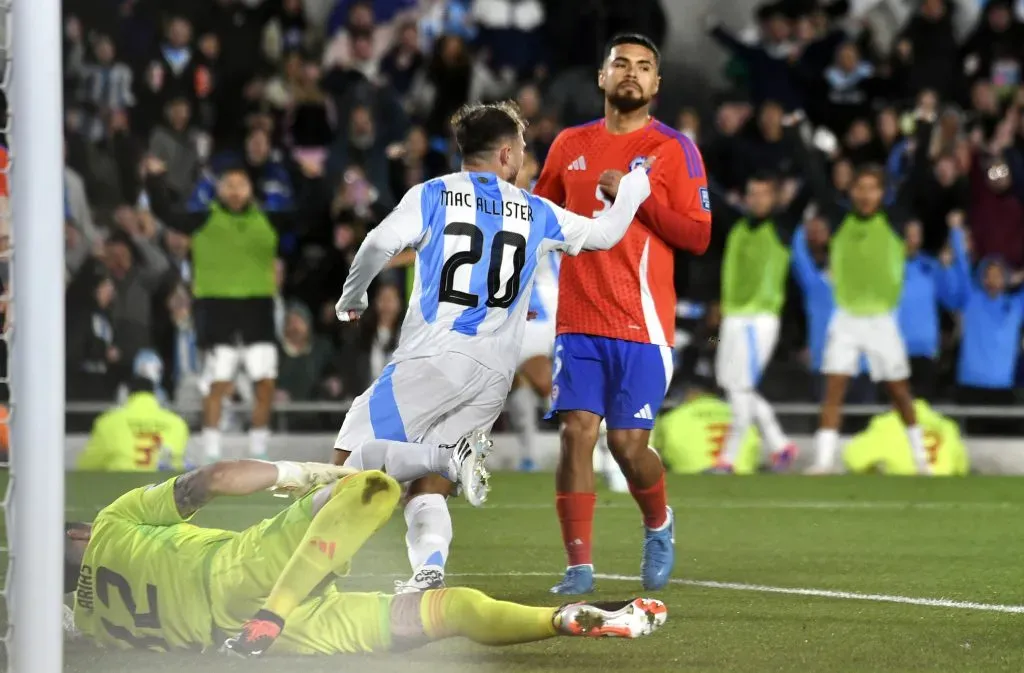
column 134, row 437
column 691, row 437
column 151, row 580
column 143, row 582
column 883, row 446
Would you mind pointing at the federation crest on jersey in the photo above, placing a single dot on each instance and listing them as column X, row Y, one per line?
column 637, row 162
column 705, row 199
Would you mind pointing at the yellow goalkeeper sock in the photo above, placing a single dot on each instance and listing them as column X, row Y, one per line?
column 358, row 506
column 475, row 615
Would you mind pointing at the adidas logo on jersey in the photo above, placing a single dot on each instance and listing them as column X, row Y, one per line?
column 580, row 164
column 645, row 413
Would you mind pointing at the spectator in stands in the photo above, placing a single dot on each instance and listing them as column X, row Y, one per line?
column 510, row 31
column 413, row 162
column 723, row 153
column 106, row 85
column 765, row 149
column 311, row 118
column 935, row 188
column 361, row 153
column 270, row 180
column 369, row 345
column 234, row 254
column 342, row 51
column 927, row 49
column 850, row 85
column 927, row 284
column 451, row 79
column 137, row 265
column 995, row 51
column 177, row 145
column 180, row 350
column 768, row 62
column 996, row 212
column 401, row 63
column 175, row 70
column 990, row 348
column 287, row 32
column 305, row 359
column 91, row 354
column 111, row 169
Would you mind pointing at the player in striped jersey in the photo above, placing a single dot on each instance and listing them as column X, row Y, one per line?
column 532, row 386
column 478, row 241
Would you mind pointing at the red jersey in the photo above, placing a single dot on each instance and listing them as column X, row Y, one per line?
column 627, row 292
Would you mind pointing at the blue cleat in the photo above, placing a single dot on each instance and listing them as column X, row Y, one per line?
column 659, row 554
column 578, row 580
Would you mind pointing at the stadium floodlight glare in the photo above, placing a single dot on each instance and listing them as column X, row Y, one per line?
column 35, row 496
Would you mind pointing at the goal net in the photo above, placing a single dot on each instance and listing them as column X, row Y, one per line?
column 32, row 315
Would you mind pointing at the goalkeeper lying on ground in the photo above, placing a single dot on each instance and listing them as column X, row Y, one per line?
column 147, row 579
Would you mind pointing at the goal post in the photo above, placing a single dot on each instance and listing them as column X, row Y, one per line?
column 36, row 543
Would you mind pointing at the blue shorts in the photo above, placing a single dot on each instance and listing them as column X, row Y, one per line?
column 622, row 381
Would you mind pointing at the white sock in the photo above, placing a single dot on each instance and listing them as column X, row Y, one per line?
column 259, row 440
column 741, row 403
column 522, row 414
column 917, row 450
column 768, row 424
column 404, row 461
column 430, row 530
column 826, row 442
column 211, row 443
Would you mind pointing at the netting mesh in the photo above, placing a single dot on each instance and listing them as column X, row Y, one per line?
column 6, row 326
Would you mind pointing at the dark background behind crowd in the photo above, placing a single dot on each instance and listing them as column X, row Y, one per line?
column 336, row 118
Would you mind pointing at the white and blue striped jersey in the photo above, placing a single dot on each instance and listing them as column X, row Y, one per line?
column 479, row 243
column 544, row 299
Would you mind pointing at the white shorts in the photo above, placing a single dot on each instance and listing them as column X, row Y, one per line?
column 538, row 340
column 745, row 345
column 876, row 337
column 435, row 399
column 221, row 364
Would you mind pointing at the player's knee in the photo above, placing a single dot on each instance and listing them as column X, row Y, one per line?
column 468, row 601
column 579, row 432
column 628, row 446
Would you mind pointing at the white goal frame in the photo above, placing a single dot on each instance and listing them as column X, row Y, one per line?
column 36, row 365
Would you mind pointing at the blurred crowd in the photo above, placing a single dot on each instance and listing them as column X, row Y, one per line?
column 336, row 107
column 942, row 118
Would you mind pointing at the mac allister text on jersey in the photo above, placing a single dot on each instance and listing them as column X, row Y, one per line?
column 519, row 211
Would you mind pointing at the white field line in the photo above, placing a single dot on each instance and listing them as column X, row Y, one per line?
column 681, row 506
column 789, row 591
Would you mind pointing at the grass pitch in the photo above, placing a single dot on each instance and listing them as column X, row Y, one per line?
column 745, row 545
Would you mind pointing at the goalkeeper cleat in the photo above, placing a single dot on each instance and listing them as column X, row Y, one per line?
column 466, row 466
column 659, row 554
column 257, row 635
column 628, row 619
column 578, row 580
column 425, row 578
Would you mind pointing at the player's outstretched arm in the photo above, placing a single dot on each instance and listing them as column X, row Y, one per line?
column 245, row 477
column 571, row 233
column 401, row 229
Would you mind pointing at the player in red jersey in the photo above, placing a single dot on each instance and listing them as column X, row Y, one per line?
column 616, row 309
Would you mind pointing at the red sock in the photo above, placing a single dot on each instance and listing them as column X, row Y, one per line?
column 652, row 501
column 576, row 514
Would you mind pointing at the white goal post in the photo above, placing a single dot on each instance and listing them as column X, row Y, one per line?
column 34, row 587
